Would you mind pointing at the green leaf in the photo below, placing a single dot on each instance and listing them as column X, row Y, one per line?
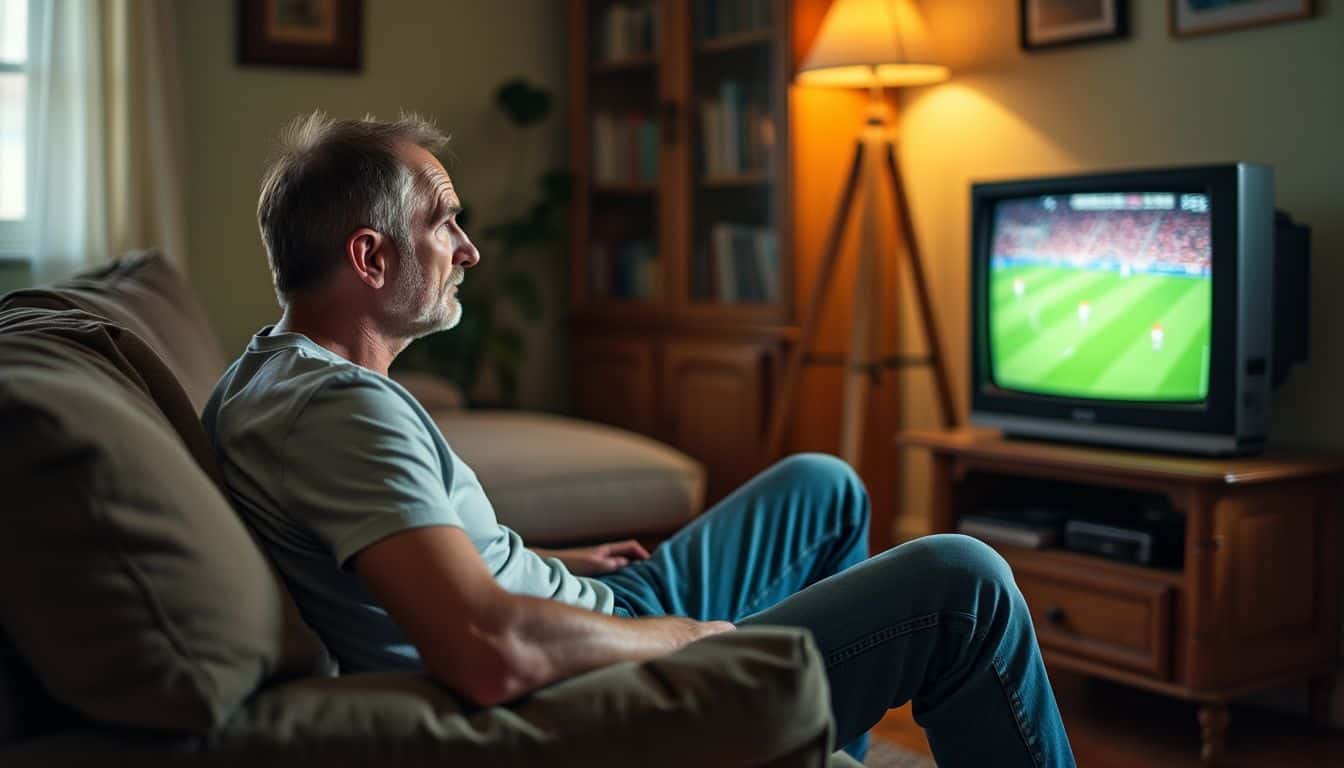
column 510, row 234
column 539, row 218
column 537, row 227
column 505, row 348
column 522, row 290
column 523, row 104
column 557, row 186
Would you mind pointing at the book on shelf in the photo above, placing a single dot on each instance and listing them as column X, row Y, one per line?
column 737, row 134
column 740, row 264
column 625, row 148
column 626, row 30
column 766, row 252
column 730, row 138
column 623, row 269
column 647, row 142
column 724, row 18
column 711, row 130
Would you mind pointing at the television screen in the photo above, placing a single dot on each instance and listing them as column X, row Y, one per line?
column 1104, row 295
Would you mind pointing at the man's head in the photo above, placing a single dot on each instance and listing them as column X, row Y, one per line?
column 364, row 209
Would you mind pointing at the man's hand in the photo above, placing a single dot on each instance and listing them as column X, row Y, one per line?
column 682, row 631
column 601, row 558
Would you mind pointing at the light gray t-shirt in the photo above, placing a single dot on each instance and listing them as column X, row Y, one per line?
column 323, row 458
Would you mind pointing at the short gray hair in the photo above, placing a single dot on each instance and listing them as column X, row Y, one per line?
column 330, row 177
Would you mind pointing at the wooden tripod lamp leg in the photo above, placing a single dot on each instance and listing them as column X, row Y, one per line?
column 784, row 407
column 938, row 361
column 867, row 288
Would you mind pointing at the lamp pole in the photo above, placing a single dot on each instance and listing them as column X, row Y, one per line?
column 867, row 283
column 874, row 158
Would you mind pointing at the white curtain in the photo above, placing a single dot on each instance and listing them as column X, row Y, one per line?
column 106, row 125
column 68, row 175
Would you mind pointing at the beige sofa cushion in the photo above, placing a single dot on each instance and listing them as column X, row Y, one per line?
column 558, row 480
column 143, row 292
column 127, row 583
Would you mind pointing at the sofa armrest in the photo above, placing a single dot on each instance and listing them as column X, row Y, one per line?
column 757, row 696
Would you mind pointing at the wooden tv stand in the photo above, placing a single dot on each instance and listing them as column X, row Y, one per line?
column 1254, row 605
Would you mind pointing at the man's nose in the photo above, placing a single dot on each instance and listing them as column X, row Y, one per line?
column 467, row 256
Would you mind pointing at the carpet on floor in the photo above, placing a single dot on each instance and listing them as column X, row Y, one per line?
column 883, row 754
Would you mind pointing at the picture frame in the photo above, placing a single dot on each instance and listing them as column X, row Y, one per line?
column 1191, row 18
column 323, row 34
column 1044, row 24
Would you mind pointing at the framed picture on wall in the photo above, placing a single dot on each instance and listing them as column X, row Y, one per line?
column 1053, row 23
column 300, row 33
column 1200, row 17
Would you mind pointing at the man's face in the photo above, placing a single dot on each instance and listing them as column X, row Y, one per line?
column 425, row 295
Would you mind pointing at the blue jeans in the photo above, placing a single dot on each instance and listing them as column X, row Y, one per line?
column 937, row 621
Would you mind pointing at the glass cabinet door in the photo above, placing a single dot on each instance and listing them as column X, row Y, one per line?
column 738, row 104
column 622, row 260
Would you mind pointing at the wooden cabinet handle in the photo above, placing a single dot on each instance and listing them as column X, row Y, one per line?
column 1055, row 615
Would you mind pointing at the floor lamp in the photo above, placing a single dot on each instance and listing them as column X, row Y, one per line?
column 872, row 44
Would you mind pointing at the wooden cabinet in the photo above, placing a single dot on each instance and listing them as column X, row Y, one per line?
column 614, row 382
column 708, row 396
column 1254, row 602
column 715, row 406
column 1118, row 621
column 681, row 273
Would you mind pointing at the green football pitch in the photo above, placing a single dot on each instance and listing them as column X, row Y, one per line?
column 1099, row 334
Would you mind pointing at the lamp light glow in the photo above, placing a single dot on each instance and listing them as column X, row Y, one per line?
column 871, row 43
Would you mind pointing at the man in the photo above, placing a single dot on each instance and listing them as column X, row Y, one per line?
column 394, row 554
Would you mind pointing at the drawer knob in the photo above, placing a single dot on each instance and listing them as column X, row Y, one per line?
column 1055, row 615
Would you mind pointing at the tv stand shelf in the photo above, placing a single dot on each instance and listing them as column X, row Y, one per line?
column 1254, row 604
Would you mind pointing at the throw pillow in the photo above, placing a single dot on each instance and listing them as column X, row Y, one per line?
column 127, row 583
column 143, row 292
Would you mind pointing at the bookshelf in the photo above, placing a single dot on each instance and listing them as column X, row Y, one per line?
column 627, row 64
column 681, row 275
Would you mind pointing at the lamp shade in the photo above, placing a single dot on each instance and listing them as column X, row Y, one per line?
column 867, row 43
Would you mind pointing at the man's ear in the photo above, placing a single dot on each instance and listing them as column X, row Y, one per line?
column 369, row 253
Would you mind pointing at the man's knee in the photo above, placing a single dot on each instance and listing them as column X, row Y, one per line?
column 819, row 469
column 826, row 474
column 961, row 562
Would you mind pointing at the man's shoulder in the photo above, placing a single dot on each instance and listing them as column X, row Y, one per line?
column 292, row 372
column 275, row 388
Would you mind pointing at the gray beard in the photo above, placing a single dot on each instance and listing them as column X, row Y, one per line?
column 418, row 319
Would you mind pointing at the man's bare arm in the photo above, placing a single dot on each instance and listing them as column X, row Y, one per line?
column 492, row 646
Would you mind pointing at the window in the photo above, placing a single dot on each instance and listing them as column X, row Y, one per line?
column 13, row 126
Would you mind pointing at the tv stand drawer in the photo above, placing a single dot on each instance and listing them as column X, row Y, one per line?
column 1121, row 623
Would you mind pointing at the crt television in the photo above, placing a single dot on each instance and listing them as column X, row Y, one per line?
column 1133, row 308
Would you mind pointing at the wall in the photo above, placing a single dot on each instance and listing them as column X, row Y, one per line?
column 1273, row 95
column 441, row 59
column 14, row 274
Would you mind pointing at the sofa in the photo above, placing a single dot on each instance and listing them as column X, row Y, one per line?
column 140, row 623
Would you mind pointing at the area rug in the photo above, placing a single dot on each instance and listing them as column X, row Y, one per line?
column 882, row 754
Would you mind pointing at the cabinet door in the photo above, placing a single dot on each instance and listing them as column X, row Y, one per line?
column 614, row 381
column 715, row 406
